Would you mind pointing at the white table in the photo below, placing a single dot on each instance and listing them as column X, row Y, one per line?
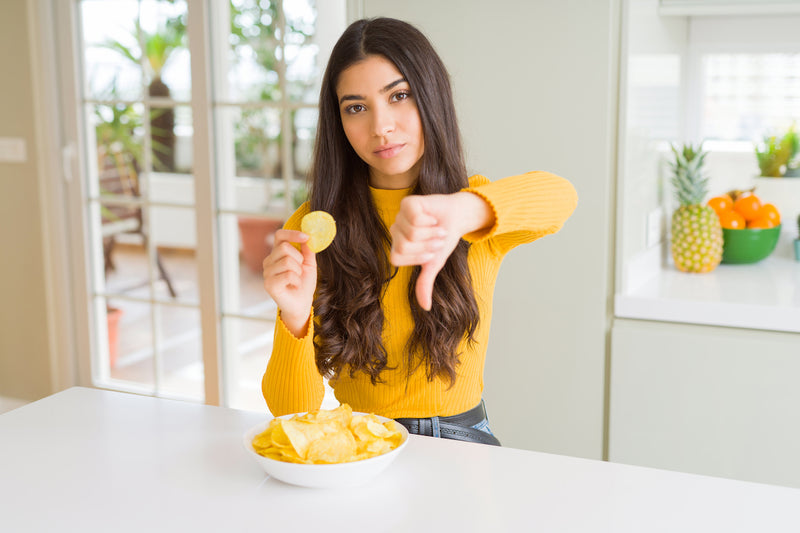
column 90, row 460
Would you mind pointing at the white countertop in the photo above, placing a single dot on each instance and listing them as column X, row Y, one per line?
column 90, row 460
column 763, row 295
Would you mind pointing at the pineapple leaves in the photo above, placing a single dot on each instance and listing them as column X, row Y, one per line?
column 688, row 180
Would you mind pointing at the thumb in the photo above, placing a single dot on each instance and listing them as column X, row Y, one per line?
column 424, row 287
column 309, row 257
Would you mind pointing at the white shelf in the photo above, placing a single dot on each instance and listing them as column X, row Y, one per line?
column 691, row 8
column 764, row 295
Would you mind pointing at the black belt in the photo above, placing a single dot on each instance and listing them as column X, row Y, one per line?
column 456, row 427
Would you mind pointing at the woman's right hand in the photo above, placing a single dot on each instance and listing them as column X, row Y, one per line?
column 290, row 278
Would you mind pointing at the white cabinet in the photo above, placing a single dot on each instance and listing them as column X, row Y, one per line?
column 704, row 368
column 706, row 400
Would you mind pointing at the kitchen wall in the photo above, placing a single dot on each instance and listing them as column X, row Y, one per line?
column 535, row 86
column 25, row 368
column 653, row 66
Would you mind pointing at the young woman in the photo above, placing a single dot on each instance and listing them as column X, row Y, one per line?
column 396, row 312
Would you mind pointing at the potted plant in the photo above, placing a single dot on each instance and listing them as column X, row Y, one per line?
column 779, row 164
column 777, row 156
column 257, row 233
column 113, row 315
column 159, row 46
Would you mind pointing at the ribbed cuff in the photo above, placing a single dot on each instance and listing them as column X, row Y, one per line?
column 292, row 382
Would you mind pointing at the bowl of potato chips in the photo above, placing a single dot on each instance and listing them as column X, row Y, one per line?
column 326, row 448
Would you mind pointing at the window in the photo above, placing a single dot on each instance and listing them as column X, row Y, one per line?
column 189, row 140
column 729, row 75
column 744, row 94
column 743, row 77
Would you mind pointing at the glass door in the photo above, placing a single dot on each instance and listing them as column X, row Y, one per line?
column 196, row 122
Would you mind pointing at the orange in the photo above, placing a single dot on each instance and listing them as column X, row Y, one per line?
column 731, row 220
column 761, row 223
column 747, row 205
column 721, row 203
column 770, row 212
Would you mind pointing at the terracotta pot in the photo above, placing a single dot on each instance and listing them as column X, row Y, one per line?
column 258, row 235
column 112, row 317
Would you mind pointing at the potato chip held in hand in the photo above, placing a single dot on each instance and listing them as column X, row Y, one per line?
column 320, row 227
column 327, row 437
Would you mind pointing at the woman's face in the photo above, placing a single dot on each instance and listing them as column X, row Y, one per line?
column 381, row 121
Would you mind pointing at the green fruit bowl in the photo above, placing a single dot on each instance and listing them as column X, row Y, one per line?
column 741, row 246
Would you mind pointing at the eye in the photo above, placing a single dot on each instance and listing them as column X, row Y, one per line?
column 353, row 109
column 401, row 95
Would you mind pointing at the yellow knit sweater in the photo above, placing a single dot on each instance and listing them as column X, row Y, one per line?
column 526, row 207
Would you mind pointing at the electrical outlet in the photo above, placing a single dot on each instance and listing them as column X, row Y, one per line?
column 654, row 227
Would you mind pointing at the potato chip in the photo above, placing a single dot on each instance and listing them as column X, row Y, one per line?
column 327, row 437
column 343, row 413
column 320, row 227
column 301, row 435
column 338, row 447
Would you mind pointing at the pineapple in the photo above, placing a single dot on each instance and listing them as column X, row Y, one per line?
column 696, row 234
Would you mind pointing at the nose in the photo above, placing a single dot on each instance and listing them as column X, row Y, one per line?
column 382, row 122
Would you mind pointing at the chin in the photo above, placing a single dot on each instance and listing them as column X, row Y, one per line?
column 394, row 169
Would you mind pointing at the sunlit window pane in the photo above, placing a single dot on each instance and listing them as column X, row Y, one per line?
column 255, row 49
column 118, row 149
column 304, row 122
column 111, row 48
column 302, row 52
column 250, row 160
column 181, row 370
column 167, row 60
column 130, row 342
column 246, row 241
column 175, row 262
column 747, row 96
column 248, row 344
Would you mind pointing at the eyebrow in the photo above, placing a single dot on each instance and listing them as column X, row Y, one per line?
column 385, row 89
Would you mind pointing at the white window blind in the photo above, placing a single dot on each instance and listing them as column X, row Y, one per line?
column 746, row 96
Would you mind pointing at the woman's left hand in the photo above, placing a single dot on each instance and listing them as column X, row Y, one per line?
column 427, row 230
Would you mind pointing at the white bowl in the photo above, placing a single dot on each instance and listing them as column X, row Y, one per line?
column 324, row 476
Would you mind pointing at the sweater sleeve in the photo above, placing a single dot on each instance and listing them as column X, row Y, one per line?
column 526, row 207
column 292, row 383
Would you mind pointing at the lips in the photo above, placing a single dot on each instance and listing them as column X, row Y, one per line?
column 389, row 150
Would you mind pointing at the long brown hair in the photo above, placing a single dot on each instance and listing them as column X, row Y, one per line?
column 355, row 268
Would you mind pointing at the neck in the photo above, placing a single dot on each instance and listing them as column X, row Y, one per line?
column 405, row 180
